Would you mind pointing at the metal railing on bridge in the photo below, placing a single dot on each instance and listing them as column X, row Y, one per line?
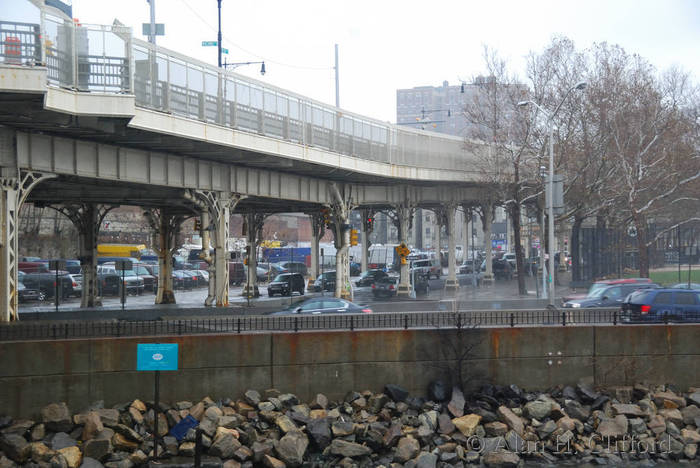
column 300, row 323
column 108, row 59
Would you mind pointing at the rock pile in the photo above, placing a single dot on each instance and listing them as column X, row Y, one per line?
column 497, row 426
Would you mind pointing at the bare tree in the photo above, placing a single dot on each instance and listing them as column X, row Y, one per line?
column 506, row 166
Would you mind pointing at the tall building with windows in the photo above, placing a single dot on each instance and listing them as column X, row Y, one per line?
column 435, row 108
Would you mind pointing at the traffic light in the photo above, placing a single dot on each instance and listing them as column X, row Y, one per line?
column 353, row 237
column 370, row 223
column 197, row 224
column 326, row 213
column 247, row 254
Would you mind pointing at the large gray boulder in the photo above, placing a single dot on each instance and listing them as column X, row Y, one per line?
column 292, row 447
column 56, row 417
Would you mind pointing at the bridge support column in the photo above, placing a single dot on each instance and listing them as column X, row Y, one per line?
column 404, row 218
column 342, row 205
column 87, row 219
column 451, row 284
column 367, row 224
column 254, row 225
column 318, row 227
column 219, row 206
column 13, row 192
column 205, row 219
column 165, row 227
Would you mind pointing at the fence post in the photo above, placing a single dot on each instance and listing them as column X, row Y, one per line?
column 296, row 324
column 615, row 317
column 563, row 319
column 179, row 327
column 666, row 318
column 512, row 319
column 239, row 325
column 405, row 321
column 352, row 323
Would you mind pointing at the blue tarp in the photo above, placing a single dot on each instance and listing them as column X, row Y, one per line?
column 286, row 254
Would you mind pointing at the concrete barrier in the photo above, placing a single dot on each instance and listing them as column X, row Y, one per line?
column 80, row 372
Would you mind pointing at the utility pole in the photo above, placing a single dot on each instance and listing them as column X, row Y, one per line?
column 337, row 89
column 152, row 35
column 218, row 39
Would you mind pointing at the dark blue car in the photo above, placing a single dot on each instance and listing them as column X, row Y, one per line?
column 609, row 296
column 661, row 305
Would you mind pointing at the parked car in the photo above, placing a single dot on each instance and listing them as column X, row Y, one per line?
column 46, row 283
column 286, row 284
column 325, row 282
column 293, row 267
column 660, row 305
column 186, row 280
column 324, row 305
column 510, row 258
column 33, row 267
column 236, row 273
column 610, row 296
column 193, row 276
column 500, row 268
column 468, row 266
column 369, row 277
column 150, row 282
column 388, row 286
column 601, row 284
column 385, row 287
column 110, row 280
column 203, row 277
column 355, row 269
column 25, row 294
column 427, row 268
column 686, row 286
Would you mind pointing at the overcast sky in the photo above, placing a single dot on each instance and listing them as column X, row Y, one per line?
column 390, row 44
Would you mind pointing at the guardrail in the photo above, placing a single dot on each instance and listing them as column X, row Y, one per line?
column 96, row 58
column 300, row 323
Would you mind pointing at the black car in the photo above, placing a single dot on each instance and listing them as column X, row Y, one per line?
column 26, row 295
column 611, row 296
column 325, row 282
column 46, row 283
column 661, row 305
column 388, row 286
column 369, row 277
column 324, row 305
column 110, row 281
column 501, row 269
column 286, row 284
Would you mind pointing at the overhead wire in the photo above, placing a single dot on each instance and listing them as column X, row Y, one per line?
column 242, row 49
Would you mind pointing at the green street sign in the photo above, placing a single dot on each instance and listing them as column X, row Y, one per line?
column 209, row 43
column 224, row 50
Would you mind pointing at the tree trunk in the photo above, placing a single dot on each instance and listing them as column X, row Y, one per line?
column 514, row 213
column 640, row 223
column 576, row 249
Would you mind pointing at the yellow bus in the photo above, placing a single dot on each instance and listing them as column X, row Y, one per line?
column 120, row 250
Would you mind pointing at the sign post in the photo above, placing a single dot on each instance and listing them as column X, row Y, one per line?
column 123, row 265
column 156, row 357
column 57, row 265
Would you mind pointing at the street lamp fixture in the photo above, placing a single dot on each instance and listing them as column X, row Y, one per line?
column 239, row 64
column 550, row 183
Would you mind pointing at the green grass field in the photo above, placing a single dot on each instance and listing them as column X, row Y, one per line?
column 669, row 277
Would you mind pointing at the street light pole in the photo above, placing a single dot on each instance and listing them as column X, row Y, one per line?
column 550, row 212
column 550, row 184
column 218, row 38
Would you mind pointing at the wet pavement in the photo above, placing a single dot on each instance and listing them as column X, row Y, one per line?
column 500, row 294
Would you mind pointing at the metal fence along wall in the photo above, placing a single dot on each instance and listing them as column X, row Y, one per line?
column 108, row 59
column 256, row 324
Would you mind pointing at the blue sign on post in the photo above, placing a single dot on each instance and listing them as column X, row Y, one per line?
column 156, row 356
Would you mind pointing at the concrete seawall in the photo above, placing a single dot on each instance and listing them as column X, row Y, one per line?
column 80, row 372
